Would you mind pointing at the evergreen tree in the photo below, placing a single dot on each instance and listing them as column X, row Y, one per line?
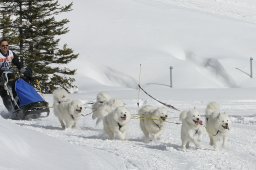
column 35, row 32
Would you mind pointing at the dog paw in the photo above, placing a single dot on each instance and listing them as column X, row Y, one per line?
column 216, row 148
column 184, row 149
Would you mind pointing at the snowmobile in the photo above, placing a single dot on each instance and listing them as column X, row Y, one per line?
column 22, row 101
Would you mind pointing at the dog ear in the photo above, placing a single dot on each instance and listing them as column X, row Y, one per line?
column 218, row 116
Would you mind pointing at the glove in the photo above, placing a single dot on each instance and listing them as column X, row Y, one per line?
column 27, row 72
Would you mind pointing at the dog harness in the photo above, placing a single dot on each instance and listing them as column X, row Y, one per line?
column 197, row 130
column 120, row 126
column 156, row 124
column 218, row 131
column 72, row 116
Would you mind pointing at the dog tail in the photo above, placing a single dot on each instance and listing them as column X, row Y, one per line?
column 183, row 115
column 211, row 108
column 146, row 109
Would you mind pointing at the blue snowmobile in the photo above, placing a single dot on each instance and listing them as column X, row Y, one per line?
column 23, row 101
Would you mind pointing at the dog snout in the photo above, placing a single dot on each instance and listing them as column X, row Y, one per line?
column 163, row 118
column 197, row 119
column 79, row 109
column 225, row 126
column 124, row 115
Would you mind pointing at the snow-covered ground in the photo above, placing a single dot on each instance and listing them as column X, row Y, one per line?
column 134, row 153
column 204, row 40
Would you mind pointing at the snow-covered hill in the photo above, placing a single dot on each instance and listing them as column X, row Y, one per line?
column 114, row 37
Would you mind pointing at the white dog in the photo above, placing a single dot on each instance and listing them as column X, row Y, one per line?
column 217, row 124
column 104, row 105
column 115, row 123
column 152, row 121
column 67, row 111
column 191, row 128
column 60, row 95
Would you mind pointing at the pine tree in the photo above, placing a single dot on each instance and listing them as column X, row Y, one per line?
column 35, row 32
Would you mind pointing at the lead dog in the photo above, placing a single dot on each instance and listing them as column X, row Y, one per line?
column 66, row 110
column 152, row 121
column 191, row 128
column 217, row 124
column 103, row 106
column 115, row 123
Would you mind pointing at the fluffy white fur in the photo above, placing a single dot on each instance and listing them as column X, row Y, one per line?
column 152, row 121
column 217, row 124
column 115, row 123
column 191, row 128
column 104, row 105
column 67, row 111
column 212, row 107
column 60, row 95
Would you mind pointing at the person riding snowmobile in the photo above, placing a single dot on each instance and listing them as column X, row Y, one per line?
column 7, row 59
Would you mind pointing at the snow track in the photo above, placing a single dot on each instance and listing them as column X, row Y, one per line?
column 134, row 153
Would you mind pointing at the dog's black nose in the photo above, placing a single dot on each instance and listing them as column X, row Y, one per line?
column 124, row 115
column 226, row 124
column 165, row 115
column 197, row 119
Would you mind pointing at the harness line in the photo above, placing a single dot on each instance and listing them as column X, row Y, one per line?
column 138, row 102
column 167, row 105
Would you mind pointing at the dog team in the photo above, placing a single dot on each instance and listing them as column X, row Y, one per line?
column 115, row 117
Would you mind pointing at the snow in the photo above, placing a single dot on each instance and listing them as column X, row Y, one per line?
column 160, row 34
column 88, row 145
column 204, row 40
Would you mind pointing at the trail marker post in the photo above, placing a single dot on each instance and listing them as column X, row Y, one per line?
column 171, row 76
column 251, row 67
